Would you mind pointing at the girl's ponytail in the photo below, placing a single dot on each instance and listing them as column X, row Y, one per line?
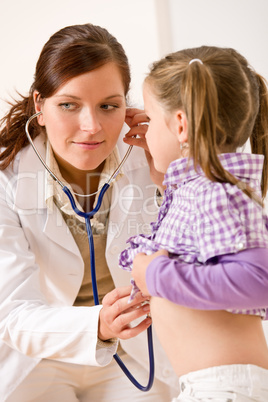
column 205, row 135
column 200, row 102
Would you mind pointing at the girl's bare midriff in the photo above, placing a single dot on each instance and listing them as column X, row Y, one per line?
column 197, row 339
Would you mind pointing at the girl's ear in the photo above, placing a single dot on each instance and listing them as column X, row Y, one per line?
column 38, row 107
column 182, row 126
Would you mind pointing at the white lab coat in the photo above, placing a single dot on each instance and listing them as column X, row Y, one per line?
column 41, row 271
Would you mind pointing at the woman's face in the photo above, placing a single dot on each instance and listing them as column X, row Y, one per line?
column 83, row 119
column 161, row 135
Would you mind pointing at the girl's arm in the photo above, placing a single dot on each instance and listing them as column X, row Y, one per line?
column 237, row 281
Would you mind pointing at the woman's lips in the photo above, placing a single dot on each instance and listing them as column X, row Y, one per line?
column 89, row 145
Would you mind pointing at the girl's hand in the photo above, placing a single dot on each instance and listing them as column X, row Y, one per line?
column 140, row 265
column 117, row 314
column 137, row 120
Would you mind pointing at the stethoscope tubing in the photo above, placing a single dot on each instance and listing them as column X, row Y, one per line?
column 87, row 216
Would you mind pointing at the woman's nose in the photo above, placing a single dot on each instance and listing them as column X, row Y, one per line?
column 90, row 122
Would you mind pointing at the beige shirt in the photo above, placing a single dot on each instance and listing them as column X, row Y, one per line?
column 77, row 227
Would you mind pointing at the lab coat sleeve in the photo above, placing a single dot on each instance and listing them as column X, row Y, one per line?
column 237, row 281
column 28, row 323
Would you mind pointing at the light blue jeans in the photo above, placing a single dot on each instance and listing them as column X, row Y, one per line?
column 238, row 382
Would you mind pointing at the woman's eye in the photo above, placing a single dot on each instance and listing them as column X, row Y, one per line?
column 67, row 106
column 109, row 107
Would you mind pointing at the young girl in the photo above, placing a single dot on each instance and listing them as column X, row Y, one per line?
column 203, row 104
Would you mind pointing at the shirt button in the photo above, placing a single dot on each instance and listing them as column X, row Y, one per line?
column 240, row 246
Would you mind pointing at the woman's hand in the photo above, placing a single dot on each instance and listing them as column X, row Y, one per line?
column 137, row 120
column 117, row 314
column 140, row 265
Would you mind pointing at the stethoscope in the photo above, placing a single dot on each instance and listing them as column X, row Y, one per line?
column 87, row 216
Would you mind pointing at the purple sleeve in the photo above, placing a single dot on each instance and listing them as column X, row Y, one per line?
column 234, row 281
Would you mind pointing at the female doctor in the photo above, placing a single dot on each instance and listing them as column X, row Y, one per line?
column 54, row 343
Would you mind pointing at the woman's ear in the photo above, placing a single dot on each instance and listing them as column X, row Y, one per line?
column 38, row 107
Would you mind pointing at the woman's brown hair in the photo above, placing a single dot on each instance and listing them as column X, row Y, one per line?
column 225, row 102
column 72, row 51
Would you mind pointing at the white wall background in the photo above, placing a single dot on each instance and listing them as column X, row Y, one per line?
column 26, row 25
column 241, row 24
column 148, row 29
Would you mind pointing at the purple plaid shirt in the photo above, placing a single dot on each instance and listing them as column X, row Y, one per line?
column 200, row 219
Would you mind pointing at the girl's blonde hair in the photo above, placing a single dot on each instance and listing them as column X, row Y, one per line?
column 225, row 102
